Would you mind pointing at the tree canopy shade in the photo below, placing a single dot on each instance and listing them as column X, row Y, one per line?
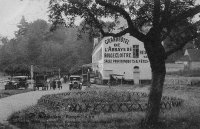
column 163, row 17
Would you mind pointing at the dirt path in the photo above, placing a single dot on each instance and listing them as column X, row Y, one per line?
column 19, row 102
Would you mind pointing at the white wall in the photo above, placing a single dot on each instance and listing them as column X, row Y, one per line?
column 145, row 72
column 120, row 68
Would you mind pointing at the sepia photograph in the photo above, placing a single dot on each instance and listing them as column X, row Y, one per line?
column 100, row 64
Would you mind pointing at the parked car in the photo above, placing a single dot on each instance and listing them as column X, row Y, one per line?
column 75, row 82
column 17, row 82
column 92, row 80
column 84, row 79
column 40, row 81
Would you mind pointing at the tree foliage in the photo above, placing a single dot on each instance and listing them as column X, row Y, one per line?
column 35, row 45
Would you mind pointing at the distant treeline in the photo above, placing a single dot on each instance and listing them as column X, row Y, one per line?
column 34, row 44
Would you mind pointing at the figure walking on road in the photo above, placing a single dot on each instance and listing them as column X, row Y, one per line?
column 59, row 84
column 54, row 84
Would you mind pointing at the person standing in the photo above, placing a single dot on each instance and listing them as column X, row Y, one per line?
column 65, row 79
column 51, row 83
column 54, row 84
column 62, row 80
column 48, row 83
column 59, row 84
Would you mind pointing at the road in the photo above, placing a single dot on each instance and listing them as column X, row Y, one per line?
column 19, row 102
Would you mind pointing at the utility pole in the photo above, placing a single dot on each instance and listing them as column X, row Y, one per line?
column 59, row 72
column 31, row 76
column 31, row 72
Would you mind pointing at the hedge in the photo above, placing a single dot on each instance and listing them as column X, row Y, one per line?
column 104, row 101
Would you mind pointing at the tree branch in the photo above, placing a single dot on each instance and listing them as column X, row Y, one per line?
column 185, row 29
column 170, row 23
column 156, row 13
column 133, row 31
column 166, row 14
column 164, row 36
column 179, row 47
column 117, row 9
column 123, row 32
column 106, row 34
column 96, row 21
column 185, row 14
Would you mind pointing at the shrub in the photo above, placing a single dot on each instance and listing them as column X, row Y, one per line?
column 97, row 101
column 105, row 107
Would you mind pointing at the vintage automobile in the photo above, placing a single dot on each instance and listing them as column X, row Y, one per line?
column 85, row 81
column 75, row 82
column 17, row 82
column 92, row 78
column 40, row 81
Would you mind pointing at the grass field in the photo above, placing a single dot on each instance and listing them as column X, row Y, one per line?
column 185, row 117
column 186, row 73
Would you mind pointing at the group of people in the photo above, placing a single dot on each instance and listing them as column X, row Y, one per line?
column 54, row 83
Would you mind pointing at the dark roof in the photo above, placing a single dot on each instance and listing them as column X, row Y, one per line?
column 194, row 54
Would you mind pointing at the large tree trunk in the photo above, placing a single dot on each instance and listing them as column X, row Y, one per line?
column 155, row 96
column 156, row 54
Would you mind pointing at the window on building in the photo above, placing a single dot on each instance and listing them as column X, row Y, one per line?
column 135, row 51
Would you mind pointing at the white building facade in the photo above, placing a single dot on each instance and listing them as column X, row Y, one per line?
column 122, row 56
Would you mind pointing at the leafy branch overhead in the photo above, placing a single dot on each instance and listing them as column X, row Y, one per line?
column 162, row 15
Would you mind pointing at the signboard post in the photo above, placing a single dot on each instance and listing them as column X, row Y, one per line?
column 59, row 73
column 31, row 86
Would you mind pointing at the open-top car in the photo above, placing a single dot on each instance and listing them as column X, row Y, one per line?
column 75, row 82
column 17, row 82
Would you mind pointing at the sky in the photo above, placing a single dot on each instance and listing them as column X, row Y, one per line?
column 11, row 12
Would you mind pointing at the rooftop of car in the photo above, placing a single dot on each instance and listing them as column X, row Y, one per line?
column 75, row 76
column 20, row 77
